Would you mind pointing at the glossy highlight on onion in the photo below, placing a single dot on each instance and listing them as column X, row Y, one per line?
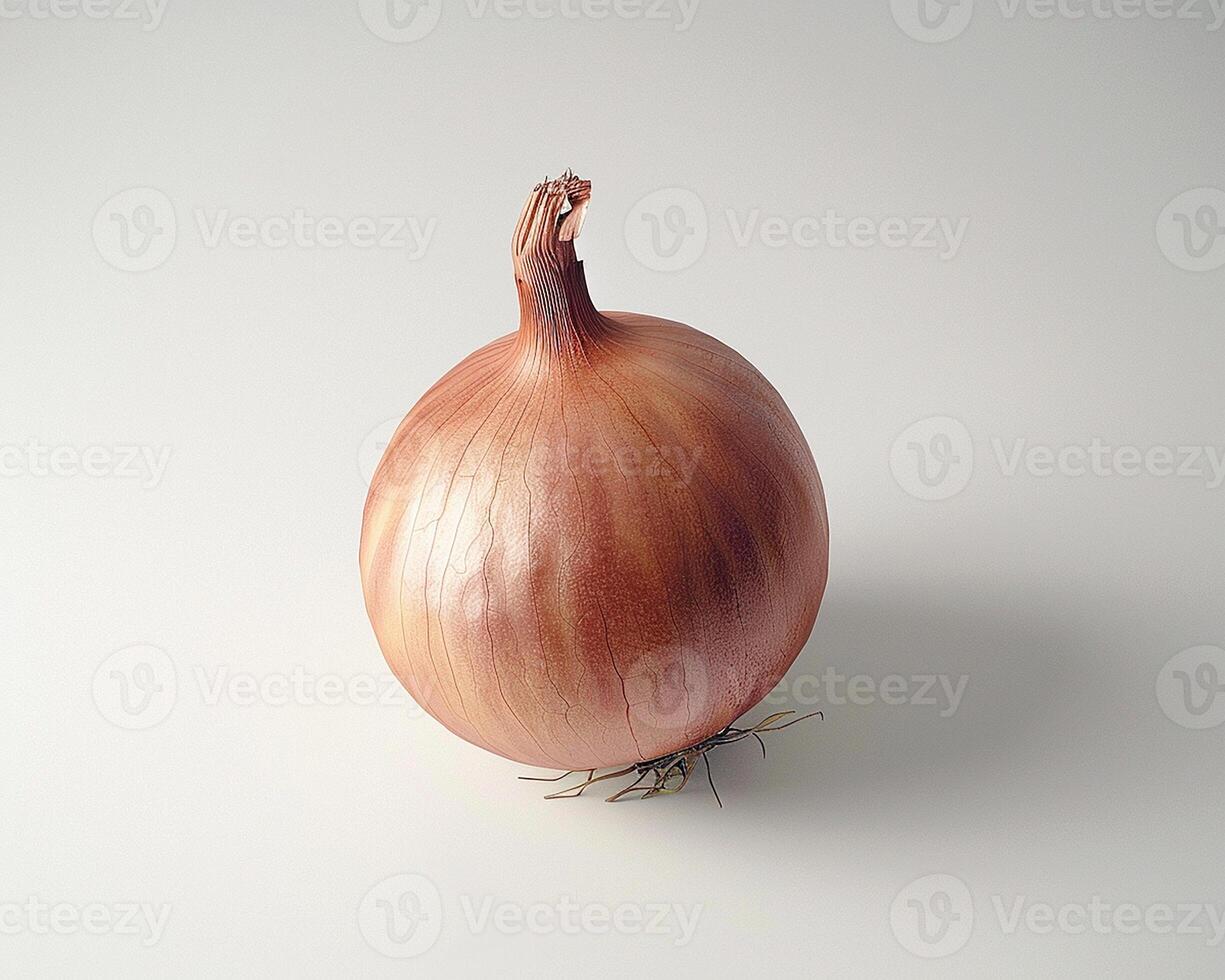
column 599, row 539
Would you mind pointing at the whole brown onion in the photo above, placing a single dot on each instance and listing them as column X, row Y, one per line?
column 599, row 539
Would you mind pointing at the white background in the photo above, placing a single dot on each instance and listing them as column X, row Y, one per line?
column 1073, row 310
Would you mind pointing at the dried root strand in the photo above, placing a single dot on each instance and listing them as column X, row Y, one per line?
column 670, row 773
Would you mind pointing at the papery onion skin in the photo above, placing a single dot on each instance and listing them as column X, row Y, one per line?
column 599, row 539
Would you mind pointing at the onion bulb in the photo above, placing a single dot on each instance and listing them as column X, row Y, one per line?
column 599, row 539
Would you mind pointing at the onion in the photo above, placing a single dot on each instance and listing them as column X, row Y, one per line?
column 597, row 540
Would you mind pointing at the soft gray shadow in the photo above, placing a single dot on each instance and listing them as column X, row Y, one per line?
column 1026, row 666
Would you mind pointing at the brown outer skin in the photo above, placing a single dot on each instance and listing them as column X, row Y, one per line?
column 598, row 540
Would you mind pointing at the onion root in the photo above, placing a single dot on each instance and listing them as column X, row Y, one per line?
column 670, row 773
